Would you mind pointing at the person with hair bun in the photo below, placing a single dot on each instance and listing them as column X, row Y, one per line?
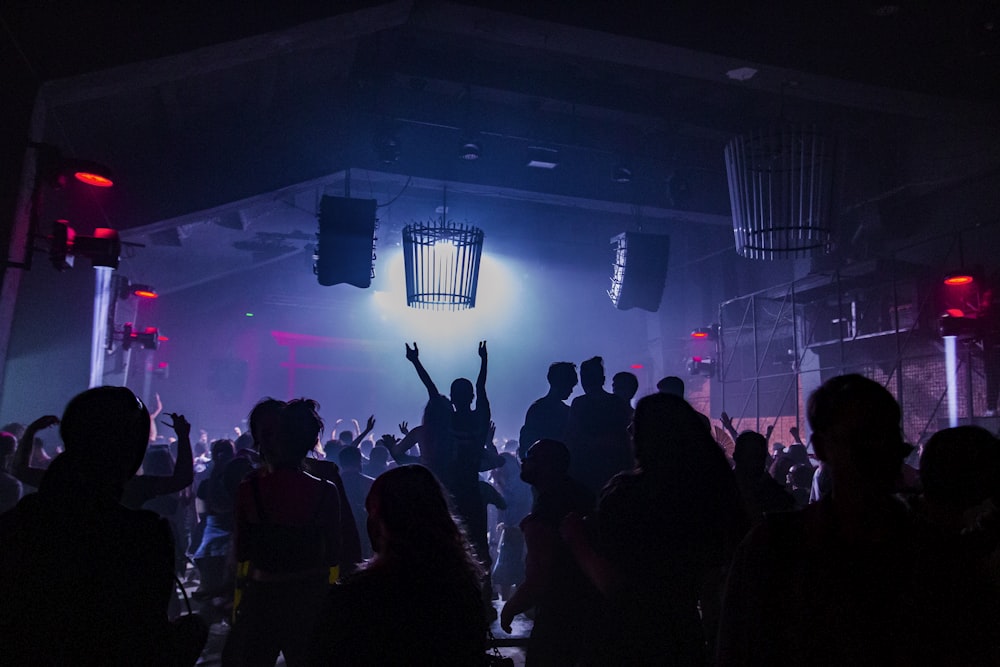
column 287, row 539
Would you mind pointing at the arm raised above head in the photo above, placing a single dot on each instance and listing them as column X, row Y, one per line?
column 413, row 356
column 481, row 380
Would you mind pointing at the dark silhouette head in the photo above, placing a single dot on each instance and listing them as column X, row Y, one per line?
column 411, row 526
column 960, row 467
column 301, row 427
column 750, row 453
column 800, row 476
column 462, row 393
column 106, row 431
column 264, row 422
column 592, row 374
column 625, row 384
column 671, row 385
column 244, row 441
column 345, row 438
column 349, row 458
column 856, row 430
column 546, row 462
column 222, row 452
column 379, row 456
column 667, row 431
column 562, row 378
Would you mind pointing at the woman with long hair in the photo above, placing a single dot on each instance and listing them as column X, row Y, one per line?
column 417, row 601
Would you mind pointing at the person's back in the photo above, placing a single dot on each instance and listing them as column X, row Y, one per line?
column 549, row 415
column 597, row 434
column 844, row 574
column 287, row 539
column 85, row 580
column 418, row 600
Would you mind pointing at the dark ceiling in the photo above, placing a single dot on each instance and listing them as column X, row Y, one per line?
column 226, row 125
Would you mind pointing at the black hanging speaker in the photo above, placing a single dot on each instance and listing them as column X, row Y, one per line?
column 345, row 251
column 639, row 271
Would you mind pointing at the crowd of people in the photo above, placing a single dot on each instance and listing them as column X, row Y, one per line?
column 621, row 528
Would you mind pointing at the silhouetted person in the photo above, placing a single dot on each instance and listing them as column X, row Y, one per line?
column 461, row 433
column 218, row 501
column 597, row 432
column 418, row 600
column 548, row 416
column 83, row 579
column 674, row 386
column 287, row 540
column 356, row 486
column 664, row 532
column 508, row 569
column 848, row 576
column 567, row 605
column 625, row 385
column 760, row 493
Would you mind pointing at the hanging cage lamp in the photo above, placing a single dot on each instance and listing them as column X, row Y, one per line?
column 441, row 260
column 780, row 188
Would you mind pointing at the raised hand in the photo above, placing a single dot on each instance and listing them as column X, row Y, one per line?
column 726, row 420
column 794, row 431
column 42, row 423
column 404, row 427
column 412, row 354
column 768, row 431
column 370, row 425
column 482, row 349
column 180, row 425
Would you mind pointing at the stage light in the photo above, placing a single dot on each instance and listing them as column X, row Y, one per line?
column 699, row 333
column 149, row 338
column 959, row 327
column 89, row 173
column 636, row 366
column 102, row 249
column 705, row 333
column 701, row 366
column 144, row 291
column 958, row 279
column 470, row 151
column 56, row 170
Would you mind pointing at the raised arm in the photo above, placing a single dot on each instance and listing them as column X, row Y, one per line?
column 727, row 423
column 368, row 429
column 141, row 488
column 413, row 356
column 21, row 465
column 481, row 380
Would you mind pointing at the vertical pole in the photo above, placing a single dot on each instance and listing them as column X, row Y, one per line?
column 950, row 371
column 102, row 298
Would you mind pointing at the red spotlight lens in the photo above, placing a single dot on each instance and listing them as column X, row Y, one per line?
column 958, row 279
column 697, row 360
column 637, row 366
column 699, row 334
column 146, row 294
column 91, row 178
column 955, row 312
column 163, row 338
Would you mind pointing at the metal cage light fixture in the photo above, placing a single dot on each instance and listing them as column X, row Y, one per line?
column 441, row 261
column 780, row 188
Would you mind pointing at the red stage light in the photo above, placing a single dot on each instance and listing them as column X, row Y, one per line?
column 91, row 178
column 696, row 359
column 958, row 279
column 163, row 338
column 162, row 364
column 955, row 312
column 146, row 294
column 637, row 366
column 699, row 334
